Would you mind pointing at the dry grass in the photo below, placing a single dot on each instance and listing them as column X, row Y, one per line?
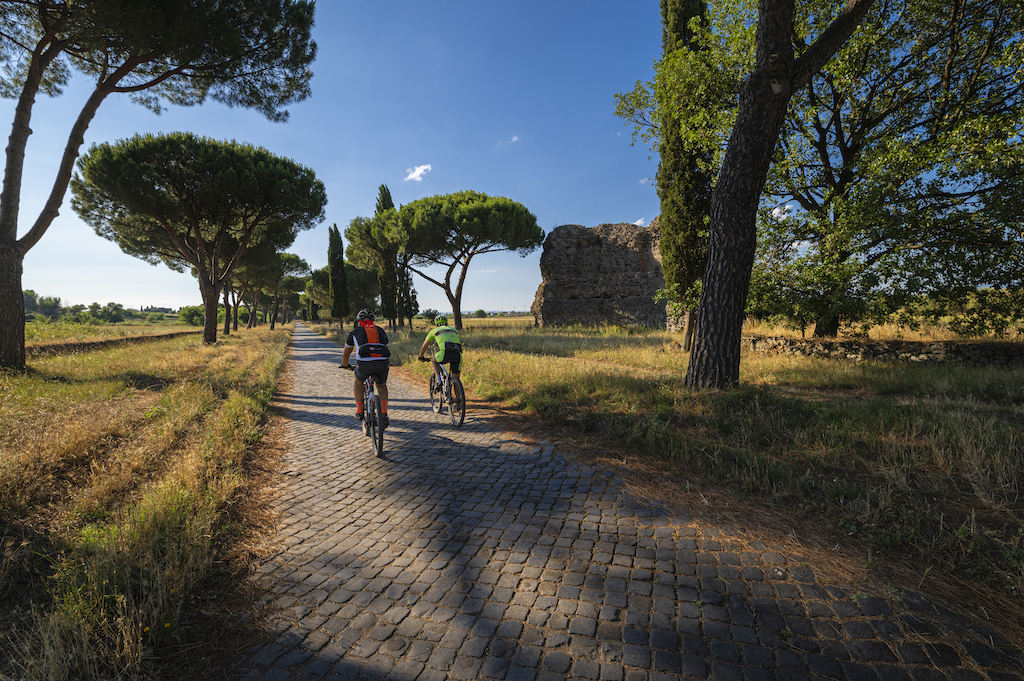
column 881, row 332
column 119, row 467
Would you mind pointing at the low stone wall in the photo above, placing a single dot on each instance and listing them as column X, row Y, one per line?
column 972, row 352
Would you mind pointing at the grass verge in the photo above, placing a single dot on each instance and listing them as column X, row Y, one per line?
column 118, row 472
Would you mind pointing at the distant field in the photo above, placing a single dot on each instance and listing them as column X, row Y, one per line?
column 469, row 322
column 47, row 332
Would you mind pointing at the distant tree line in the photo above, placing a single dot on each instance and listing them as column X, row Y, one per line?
column 50, row 308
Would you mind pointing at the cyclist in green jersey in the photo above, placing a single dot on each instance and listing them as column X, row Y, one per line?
column 449, row 348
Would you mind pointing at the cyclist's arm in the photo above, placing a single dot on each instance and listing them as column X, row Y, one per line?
column 426, row 344
column 345, row 355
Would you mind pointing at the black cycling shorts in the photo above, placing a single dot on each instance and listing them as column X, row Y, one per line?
column 377, row 367
column 454, row 358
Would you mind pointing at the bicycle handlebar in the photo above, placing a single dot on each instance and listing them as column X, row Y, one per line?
column 424, row 359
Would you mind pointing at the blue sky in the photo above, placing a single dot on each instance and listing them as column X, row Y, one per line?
column 510, row 99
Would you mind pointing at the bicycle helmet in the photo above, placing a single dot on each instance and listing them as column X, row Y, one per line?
column 440, row 320
column 365, row 317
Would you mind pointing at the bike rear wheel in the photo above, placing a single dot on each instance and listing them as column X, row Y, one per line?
column 457, row 403
column 435, row 397
column 366, row 416
column 377, row 426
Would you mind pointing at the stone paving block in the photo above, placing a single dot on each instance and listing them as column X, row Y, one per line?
column 466, row 553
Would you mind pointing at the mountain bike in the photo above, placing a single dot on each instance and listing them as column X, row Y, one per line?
column 451, row 392
column 373, row 415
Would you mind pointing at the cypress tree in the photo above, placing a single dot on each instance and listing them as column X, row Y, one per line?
column 683, row 188
column 387, row 275
column 336, row 265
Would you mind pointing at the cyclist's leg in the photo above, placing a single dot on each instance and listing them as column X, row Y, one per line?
column 359, row 392
column 456, row 363
column 382, row 385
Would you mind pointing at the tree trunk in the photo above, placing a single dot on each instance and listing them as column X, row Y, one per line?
column 764, row 97
column 273, row 316
column 210, row 300
column 12, row 310
column 826, row 326
column 227, row 315
column 456, row 310
column 715, row 359
column 688, row 328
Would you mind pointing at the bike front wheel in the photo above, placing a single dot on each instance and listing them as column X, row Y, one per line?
column 435, row 397
column 457, row 403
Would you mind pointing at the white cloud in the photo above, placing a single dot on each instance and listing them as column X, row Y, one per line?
column 782, row 212
column 515, row 138
column 645, row 180
column 639, row 223
column 417, row 173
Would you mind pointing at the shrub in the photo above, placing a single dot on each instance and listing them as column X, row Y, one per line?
column 193, row 315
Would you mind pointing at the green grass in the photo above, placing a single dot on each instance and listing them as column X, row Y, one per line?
column 920, row 461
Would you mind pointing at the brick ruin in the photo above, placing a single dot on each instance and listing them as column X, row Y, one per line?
column 602, row 275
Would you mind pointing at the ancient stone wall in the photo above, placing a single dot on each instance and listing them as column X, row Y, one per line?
column 969, row 352
column 602, row 275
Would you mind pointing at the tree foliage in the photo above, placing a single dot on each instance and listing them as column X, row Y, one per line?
column 363, row 288
column 249, row 53
column 450, row 230
column 374, row 244
column 194, row 202
column 900, row 163
column 318, row 292
column 893, row 189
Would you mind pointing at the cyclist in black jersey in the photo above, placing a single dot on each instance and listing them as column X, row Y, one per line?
column 370, row 345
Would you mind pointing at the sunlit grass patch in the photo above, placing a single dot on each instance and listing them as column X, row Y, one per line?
column 68, row 330
column 130, row 457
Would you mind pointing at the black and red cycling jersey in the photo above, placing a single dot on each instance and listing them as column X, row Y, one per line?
column 370, row 344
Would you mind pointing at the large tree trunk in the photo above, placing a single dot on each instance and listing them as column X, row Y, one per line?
column 715, row 359
column 12, row 310
column 454, row 299
column 13, row 249
column 210, row 300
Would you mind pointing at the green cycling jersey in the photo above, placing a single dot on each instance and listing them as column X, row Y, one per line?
column 442, row 335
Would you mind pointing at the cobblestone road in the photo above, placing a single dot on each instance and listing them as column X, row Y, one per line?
column 463, row 555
